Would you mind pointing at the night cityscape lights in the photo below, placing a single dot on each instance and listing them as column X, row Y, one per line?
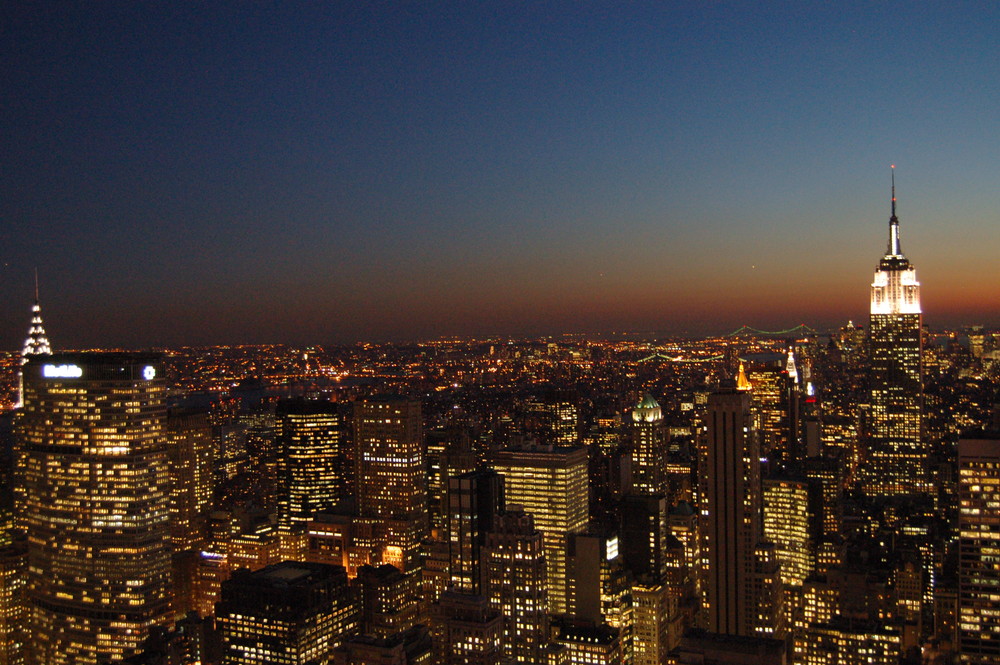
column 798, row 497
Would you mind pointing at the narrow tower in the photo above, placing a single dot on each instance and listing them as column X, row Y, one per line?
column 37, row 344
column 896, row 461
column 649, row 448
column 742, row 587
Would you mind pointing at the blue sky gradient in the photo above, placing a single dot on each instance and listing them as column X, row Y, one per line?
column 185, row 173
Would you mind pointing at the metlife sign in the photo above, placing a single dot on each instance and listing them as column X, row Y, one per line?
column 62, row 371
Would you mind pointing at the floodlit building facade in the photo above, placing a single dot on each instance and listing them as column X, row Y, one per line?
column 896, row 454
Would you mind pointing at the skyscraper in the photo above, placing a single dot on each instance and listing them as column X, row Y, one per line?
column 312, row 461
column 391, row 485
column 788, row 524
column 551, row 484
column 189, row 452
column 96, row 495
column 731, row 510
column 649, row 448
column 979, row 577
column 13, row 604
column 896, row 455
column 291, row 613
column 37, row 343
column 474, row 499
column 516, row 584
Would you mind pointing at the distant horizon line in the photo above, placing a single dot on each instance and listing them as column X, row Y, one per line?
column 608, row 336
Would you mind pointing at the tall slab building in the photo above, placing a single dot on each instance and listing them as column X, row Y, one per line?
column 391, row 484
column 649, row 448
column 96, row 504
column 896, row 454
column 979, row 543
column 741, row 582
column 550, row 483
column 312, row 461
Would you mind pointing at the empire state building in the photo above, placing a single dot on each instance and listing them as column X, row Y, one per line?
column 896, row 455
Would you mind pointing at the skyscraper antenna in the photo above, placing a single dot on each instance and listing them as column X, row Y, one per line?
column 892, row 170
column 36, row 284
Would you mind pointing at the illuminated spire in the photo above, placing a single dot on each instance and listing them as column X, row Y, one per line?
column 742, row 383
column 37, row 344
column 793, row 373
column 894, row 248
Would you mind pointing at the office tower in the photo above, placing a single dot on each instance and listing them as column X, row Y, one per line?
column 826, row 475
column 37, row 343
column 468, row 630
column 846, row 641
column 189, row 454
column 767, row 402
column 787, row 524
column 391, row 486
column 644, row 532
column 474, row 499
column 517, row 585
column 599, row 586
column 340, row 540
column 731, row 512
column 13, row 602
column 435, row 574
column 554, row 417
column 449, row 454
column 413, row 647
column 96, row 499
column 551, row 484
column 389, row 600
column 587, row 643
column 649, row 448
column 896, row 455
column 768, row 592
column 260, row 425
column 312, row 461
column 653, row 607
column 189, row 451
column 291, row 613
column 979, row 544
column 683, row 525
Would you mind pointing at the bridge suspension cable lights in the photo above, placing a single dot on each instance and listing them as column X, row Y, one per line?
column 748, row 331
column 679, row 359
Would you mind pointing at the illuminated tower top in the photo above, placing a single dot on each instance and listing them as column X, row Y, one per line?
column 742, row 383
column 793, row 372
column 895, row 289
column 647, row 411
column 37, row 344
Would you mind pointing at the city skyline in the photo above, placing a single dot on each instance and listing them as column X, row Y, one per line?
column 311, row 175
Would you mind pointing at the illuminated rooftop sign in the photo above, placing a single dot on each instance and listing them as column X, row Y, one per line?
column 62, row 371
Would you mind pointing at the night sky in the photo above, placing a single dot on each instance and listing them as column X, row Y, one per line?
column 208, row 173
